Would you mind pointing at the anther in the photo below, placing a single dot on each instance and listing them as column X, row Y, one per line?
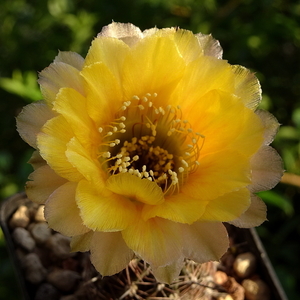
column 184, row 163
column 106, row 154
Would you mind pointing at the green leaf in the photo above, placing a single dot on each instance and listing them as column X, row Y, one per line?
column 275, row 199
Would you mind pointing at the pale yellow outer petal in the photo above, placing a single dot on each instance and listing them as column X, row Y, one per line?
column 109, row 252
column 71, row 58
column 210, row 46
column 102, row 210
column 81, row 242
column 62, row 212
column 270, row 124
column 227, row 207
column 52, row 143
column 168, row 273
column 157, row 241
column 135, row 189
column 247, row 87
column 59, row 75
column 255, row 215
column 204, row 241
column 36, row 160
column 43, row 182
column 31, row 120
column 267, row 169
column 126, row 32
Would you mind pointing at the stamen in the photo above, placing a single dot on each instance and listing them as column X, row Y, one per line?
column 154, row 130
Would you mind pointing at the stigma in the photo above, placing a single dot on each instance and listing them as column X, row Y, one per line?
column 150, row 142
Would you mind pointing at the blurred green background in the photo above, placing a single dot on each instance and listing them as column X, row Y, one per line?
column 261, row 35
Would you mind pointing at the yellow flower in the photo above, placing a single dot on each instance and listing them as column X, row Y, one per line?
column 146, row 146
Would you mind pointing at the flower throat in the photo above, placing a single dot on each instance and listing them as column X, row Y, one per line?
column 151, row 143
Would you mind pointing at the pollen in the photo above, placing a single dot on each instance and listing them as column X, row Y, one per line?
column 151, row 142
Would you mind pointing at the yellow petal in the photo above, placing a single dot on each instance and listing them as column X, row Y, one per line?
column 72, row 105
column 109, row 51
column 81, row 242
column 247, row 87
column 52, row 143
column 71, row 58
column 168, row 273
column 62, row 212
column 202, row 76
column 226, row 124
column 59, row 75
column 178, row 208
column 188, row 45
column 109, row 253
column 104, row 95
column 267, row 169
column 227, row 207
column 157, row 241
column 31, row 119
column 204, row 241
column 102, row 210
column 221, row 169
column 156, row 65
column 255, row 215
column 80, row 158
column 43, row 182
column 135, row 189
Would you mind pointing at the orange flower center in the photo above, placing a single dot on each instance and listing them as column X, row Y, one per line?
column 150, row 142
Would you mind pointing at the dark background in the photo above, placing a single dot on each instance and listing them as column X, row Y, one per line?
column 261, row 35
